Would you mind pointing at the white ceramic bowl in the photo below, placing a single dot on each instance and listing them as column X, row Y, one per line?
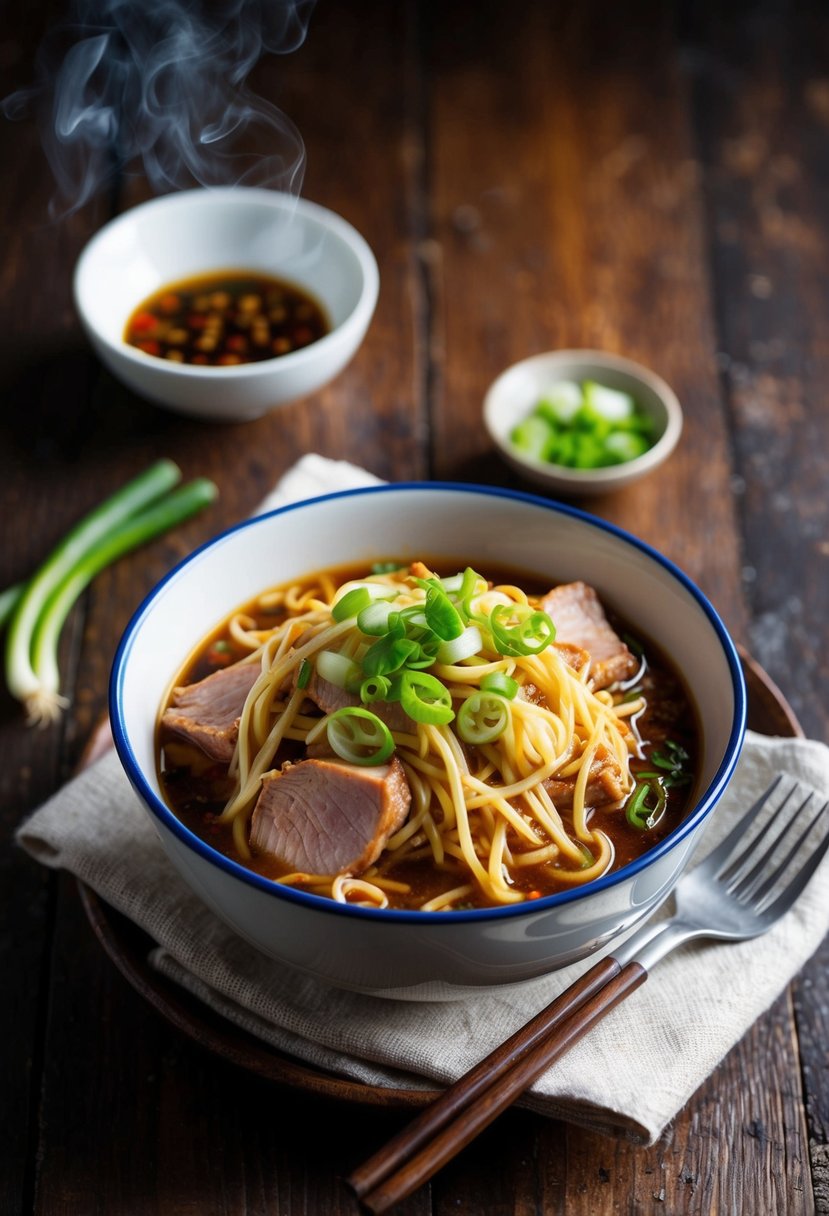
column 195, row 232
column 517, row 390
column 426, row 954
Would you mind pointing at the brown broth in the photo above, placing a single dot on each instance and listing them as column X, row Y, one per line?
column 197, row 794
column 226, row 318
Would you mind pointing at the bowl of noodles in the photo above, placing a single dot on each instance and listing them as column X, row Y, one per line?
column 421, row 739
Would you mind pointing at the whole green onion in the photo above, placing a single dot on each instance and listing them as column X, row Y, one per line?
column 8, row 601
column 174, row 508
column 45, row 600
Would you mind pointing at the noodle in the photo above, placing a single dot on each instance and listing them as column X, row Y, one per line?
column 483, row 814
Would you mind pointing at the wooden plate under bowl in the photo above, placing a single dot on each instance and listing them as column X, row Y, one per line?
column 129, row 947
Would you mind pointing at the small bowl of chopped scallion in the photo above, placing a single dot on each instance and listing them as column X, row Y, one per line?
column 582, row 422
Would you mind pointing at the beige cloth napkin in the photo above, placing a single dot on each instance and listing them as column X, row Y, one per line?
column 629, row 1076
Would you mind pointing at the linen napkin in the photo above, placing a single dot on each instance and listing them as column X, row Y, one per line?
column 673, row 1031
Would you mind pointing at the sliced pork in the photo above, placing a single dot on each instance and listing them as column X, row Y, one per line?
column 329, row 817
column 605, row 783
column 579, row 619
column 330, row 697
column 207, row 713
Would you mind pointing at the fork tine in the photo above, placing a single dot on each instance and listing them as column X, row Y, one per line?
column 720, row 855
column 741, row 883
column 761, row 889
column 790, row 893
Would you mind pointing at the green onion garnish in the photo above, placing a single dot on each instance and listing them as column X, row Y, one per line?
column 337, row 669
column 482, row 717
column 388, row 654
column 375, row 688
column 584, row 426
column 359, row 736
column 518, row 629
column 425, row 698
column 500, row 683
column 442, row 617
column 304, row 674
column 646, row 806
column 351, row 604
column 464, row 646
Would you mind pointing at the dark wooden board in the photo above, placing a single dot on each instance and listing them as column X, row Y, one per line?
column 651, row 178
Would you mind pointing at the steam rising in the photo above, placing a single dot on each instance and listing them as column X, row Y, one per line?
column 162, row 85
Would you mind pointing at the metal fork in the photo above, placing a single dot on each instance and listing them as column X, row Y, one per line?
column 737, row 892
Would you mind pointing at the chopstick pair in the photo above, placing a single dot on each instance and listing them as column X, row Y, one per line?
column 475, row 1099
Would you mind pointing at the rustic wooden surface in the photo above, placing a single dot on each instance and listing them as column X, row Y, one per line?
column 647, row 178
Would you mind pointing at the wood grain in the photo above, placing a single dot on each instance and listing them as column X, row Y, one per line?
column 650, row 178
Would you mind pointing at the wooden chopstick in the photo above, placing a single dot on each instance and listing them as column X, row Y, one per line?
column 412, row 1156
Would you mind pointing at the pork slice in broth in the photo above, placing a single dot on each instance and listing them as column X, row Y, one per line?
column 330, row 697
column 325, row 816
column 579, row 619
column 207, row 713
column 605, row 783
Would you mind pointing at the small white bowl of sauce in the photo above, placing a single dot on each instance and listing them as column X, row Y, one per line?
column 226, row 303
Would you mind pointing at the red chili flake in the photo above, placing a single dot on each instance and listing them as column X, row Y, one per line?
column 169, row 304
column 219, row 658
column 200, row 359
column 143, row 321
column 228, row 360
column 149, row 348
column 237, row 342
column 197, row 320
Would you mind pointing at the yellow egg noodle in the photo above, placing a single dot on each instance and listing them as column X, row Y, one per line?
column 481, row 812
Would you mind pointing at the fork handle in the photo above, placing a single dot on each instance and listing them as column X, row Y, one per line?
column 394, row 1184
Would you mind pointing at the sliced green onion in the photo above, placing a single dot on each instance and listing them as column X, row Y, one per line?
column 388, row 654
column 375, row 618
column 352, row 603
column 646, row 806
column 462, row 647
column 414, row 617
column 441, row 614
column 304, row 674
column 356, row 598
column 111, row 529
column 482, row 717
column 374, row 688
column 452, row 584
column 359, row 736
column 337, row 669
column 425, row 699
column 518, row 629
column 386, row 567
column 500, row 683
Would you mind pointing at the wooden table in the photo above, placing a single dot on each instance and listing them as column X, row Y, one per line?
column 646, row 178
